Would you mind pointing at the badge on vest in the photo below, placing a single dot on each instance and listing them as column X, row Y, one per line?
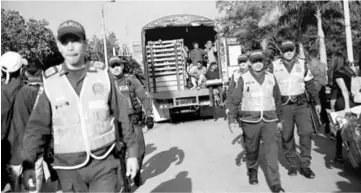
column 298, row 69
column 51, row 71
column 61, row 105
column 124, row 88
column 98, row 88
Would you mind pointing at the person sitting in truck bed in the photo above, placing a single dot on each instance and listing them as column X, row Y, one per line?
column 197, row 74
column 212, row 74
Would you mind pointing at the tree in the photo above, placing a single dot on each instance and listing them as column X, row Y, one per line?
column 95, row 50
column 32, row 39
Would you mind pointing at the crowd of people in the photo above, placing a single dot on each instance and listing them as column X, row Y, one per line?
column 267, row 101
column 72, row 122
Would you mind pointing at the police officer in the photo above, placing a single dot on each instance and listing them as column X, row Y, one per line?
column 11, row 64
column 133, row 90
column 261, row 118
column 77, row 108
column 23, row 106
column 290, row 72
column 243, row 67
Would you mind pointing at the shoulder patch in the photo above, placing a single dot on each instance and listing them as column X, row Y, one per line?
column 50, row 71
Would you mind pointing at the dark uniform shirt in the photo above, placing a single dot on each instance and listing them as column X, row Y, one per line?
column 310, row 86
column 23, row 106
column 39, row 124
column 8, row 94
column 237, row 96
column 139, row 90
column 231, row 87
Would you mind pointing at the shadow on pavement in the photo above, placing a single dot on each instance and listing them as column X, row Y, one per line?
column 181, row 183
column 160, row 162
column 149, row 148
column 326, row 147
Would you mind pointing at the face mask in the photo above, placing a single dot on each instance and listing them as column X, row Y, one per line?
column 257, row 67
column 243, row 65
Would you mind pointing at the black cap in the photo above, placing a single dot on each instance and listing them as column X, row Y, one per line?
column 257, row 55
column 71, row 27
column 116, row 60
column 288, row 45
column 242, row 58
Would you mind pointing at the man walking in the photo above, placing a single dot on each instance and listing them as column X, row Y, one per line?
column 133, row 90
column 290, row 72
column 77, row 107
column 258, row 96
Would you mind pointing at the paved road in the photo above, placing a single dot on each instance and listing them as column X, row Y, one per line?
column 199, row 156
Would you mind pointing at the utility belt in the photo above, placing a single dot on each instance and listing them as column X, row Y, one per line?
column 294, row 99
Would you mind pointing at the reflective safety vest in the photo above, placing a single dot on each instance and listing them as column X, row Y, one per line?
column 258, row 102
column 290, row 83
column 81, row 124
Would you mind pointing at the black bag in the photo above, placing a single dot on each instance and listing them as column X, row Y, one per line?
column 351, row 136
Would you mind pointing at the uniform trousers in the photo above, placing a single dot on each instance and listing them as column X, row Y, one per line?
column 138, row 129
column 96, row 176
column 268, row 132
column 299, row 114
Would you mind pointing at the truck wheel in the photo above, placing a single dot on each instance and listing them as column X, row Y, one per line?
column 171, row 116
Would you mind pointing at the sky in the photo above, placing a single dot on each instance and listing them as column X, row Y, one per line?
column 125, row 18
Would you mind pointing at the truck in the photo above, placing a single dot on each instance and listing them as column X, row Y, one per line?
column 165, row 64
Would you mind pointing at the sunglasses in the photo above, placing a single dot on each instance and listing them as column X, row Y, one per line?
column 256, row 61
column 242, row 61
column 288, row 50
column 115, row 65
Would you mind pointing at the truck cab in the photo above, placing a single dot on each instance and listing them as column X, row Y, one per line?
column 165, row 64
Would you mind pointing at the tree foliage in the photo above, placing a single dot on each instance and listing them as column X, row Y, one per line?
column 95, row 50
column 32, row 39
column 297, row 20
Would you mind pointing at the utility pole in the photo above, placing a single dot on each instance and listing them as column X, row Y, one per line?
column 346, row 10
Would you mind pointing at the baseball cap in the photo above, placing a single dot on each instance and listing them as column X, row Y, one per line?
column 116, row 60
column 12, row 62
column 287, row 46
column 71, row 27
column 242, row 58
column 256, row 56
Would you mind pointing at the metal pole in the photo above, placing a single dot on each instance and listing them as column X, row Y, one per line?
column 348, row 33
column 104, row 38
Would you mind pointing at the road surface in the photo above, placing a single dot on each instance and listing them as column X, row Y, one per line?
column 200, row 156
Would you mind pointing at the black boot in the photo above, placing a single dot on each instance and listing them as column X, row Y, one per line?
column 138, row 180
column 307, row 172
column 277, row 188
column 252, row 175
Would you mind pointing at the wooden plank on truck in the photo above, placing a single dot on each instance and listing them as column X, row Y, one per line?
column 164, row 64
column 165, row 88
column 167, row 68
column 165, row 59
column 165, row 78
column 160, row 50
column 164, row 41
column 163, row 54
column 166, row 83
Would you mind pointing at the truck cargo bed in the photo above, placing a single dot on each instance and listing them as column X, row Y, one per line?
column 179, row 94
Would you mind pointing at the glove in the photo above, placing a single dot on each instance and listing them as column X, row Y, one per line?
column 28, row 176
column 149, row 122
